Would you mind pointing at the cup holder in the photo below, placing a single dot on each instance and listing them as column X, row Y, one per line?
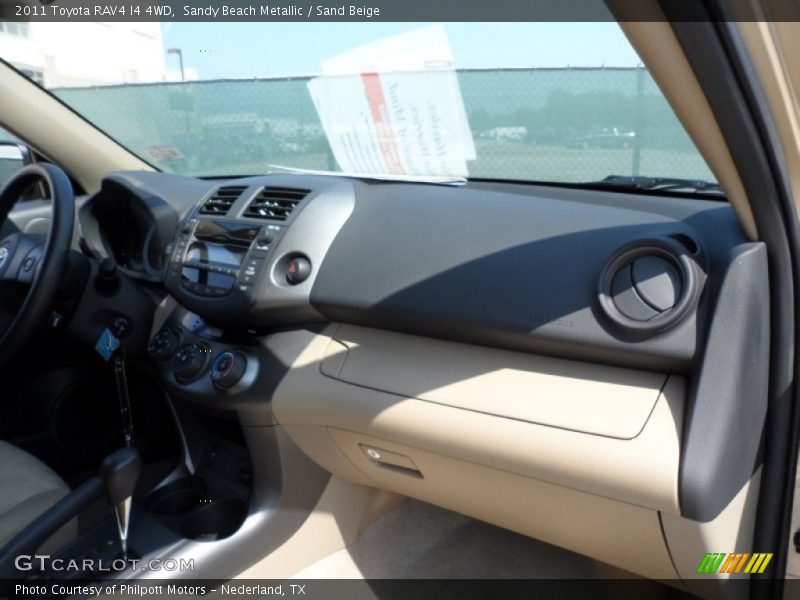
column 177, row 498
column 215, row 521
column 187, row 507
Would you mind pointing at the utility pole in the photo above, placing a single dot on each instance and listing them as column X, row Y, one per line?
column 639, row 122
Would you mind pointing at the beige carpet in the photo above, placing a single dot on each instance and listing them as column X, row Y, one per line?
column 418, row 540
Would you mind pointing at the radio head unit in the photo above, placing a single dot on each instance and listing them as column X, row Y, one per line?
column 242, row 269
column 211, row 257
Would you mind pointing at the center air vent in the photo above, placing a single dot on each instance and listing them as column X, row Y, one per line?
column 221, row 201
column 650, row 285
column 275, row 203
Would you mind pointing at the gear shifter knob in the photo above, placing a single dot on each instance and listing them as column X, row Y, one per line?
column 120, row 472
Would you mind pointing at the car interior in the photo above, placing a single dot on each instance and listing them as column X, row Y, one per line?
column 307, row 363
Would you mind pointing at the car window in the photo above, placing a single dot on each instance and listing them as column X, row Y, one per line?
column 563, row 102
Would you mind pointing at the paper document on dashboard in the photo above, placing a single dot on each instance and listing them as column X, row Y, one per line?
column 432, row 179
column 395, row 107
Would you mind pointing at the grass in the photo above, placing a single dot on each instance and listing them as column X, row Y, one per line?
column 519, row 160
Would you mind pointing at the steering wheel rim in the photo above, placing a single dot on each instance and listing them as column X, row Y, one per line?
column 48, row 272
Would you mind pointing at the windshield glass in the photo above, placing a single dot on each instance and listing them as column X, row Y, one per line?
column 560, row 102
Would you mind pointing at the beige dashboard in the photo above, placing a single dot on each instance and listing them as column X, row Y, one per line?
column 580, row 455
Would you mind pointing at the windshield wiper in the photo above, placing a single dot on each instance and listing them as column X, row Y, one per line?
column 661, row 184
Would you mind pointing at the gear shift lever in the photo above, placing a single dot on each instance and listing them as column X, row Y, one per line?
column 120, row 472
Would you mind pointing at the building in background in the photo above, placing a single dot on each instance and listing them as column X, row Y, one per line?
column 55, row 55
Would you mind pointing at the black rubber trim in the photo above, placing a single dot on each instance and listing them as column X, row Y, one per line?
column 674, row 253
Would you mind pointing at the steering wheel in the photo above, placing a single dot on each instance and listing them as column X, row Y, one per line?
column 30, row 260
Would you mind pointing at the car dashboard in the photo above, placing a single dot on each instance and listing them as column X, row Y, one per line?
column 460, row 334
column 506, row 265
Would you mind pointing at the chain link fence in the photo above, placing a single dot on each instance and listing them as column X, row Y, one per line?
column 570, row 124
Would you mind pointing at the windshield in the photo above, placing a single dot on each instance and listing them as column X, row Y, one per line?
column 558, row 102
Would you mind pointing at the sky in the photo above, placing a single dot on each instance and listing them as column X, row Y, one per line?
column 222, row 50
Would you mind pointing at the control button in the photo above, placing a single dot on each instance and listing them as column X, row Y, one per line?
column 28, row 263
column 107, row 279
column 298, row 271
column 266, row 236
column 251, row 270
column 228, row 369
column 164, row 344
column 55, row 320
column 244, row 287
column 191, row 361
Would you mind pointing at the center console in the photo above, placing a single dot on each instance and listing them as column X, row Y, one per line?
column 206, row 366
column 243, row 262
column 253, row 262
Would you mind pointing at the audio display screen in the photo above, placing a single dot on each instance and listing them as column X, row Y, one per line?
column 208, row 278
column 217, row 254
column 226, row 232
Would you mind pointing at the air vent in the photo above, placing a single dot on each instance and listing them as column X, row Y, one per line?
column 222, row 200
column 649, row 285
column 275, row 203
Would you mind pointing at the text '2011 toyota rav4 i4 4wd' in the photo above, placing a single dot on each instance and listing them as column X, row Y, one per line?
column 456, row 300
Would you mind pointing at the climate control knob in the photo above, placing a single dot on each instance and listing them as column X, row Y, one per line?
column 228, row 369
column 164, row 344
column 191, row 361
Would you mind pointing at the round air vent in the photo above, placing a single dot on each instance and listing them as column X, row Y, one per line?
column 649, row 285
